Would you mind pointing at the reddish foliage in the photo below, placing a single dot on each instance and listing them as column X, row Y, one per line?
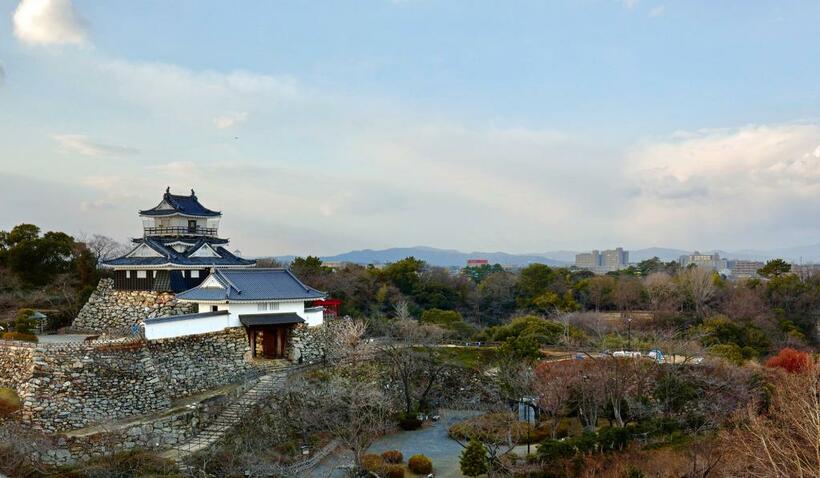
column 790, row 360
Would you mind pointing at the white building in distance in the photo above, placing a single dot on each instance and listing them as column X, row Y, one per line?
column 601, row 262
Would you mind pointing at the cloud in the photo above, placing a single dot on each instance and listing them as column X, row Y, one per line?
column 81, row 144
column 49, row 22
column 230, row 120
column 629, row 3
column 656, row 12
column 2, row 74
column 96, row 205
column 725, row 183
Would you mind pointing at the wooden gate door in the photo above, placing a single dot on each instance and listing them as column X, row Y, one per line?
column 269, row 343
column 282, row 335
column 274, row 342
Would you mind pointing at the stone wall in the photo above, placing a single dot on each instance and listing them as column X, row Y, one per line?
column 109, row 309
column 187, row 365
column 71, row 386
column 16, row 364
column 77, row 385
column 307, row 343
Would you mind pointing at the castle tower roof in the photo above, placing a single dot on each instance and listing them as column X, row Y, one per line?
column 174, row 204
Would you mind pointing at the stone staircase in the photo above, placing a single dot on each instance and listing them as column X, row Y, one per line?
column 231, row 416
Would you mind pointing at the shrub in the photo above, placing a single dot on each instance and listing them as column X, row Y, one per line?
column 372, row 462
column 550, row 450
column 128, row 464
column 393, row 456
column 494, row 427
column 633, row 472
column 409, row 421
column 420, row 465
column 393, row 471
column 473, row 461
column 20, row 336
column 790, row 360
column 9, row 401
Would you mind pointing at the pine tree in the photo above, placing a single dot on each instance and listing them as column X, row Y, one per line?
column 474, row 459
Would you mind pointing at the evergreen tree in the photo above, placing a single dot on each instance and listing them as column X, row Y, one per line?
column 474, row 459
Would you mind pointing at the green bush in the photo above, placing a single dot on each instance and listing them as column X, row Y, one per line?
column 24, row 323
column 473, row 460
column 9, row 401
column 545, row 332
column 614, row 438
column 393, row 456
column 20, row 336
column 393, row 471
column 550, row 450
column 409, row 422
column 420, row 465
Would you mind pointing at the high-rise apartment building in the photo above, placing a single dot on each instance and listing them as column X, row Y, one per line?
column 744, row 269
column 603, row 261
column 706, row 261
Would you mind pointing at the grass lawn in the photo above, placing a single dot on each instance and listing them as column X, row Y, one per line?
column 469, row 357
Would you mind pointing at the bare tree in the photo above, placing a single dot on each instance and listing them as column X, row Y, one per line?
column 353, row 411
column 412, row 361
column 553, row 385
column 401, row 311
column 785, row 441
column 660, row 289
column 697, row 284
column 103, row 247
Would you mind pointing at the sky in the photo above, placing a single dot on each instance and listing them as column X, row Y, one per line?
column 320, row 127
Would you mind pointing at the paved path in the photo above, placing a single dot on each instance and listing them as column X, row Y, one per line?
column 432, row 440
column 61, row 339
column 230, row 417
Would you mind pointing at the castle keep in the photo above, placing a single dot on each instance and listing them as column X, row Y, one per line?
column 186, row 326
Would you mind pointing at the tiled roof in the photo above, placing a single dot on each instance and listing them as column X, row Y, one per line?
column 188, row 205
column 171, row 256
column 252, row 285
column 276, row 318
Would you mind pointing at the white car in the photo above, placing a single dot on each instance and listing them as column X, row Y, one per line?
column 626, row 353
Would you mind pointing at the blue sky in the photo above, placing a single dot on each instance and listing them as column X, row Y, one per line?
column 318, row 127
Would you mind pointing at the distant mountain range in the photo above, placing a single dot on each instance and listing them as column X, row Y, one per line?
column 435, row 257
column 451, row 257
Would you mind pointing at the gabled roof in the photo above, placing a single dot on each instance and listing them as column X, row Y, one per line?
column 166, row 255
column 251, row 285
column 174, row 204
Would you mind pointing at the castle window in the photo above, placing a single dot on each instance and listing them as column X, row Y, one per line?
column 262, row 307
column 194, row 274
column 142, row 274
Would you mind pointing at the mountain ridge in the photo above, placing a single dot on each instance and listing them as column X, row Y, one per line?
column 455, row 258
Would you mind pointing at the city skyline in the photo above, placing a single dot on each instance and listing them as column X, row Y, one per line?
column 376, row 124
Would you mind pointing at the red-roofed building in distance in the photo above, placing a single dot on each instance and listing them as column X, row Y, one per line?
column 477, row 262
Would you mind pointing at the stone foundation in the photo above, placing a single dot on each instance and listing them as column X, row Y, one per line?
column 153, row 432
column 306, row 344
column 74, row 386
column 109, row 309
